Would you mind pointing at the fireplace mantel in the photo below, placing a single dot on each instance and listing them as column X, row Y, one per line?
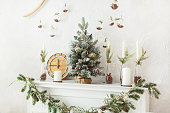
column 84, row 95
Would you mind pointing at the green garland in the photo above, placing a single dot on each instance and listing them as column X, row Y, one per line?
column 113, row 103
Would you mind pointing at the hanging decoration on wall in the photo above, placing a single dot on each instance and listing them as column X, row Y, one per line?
column 58, row 62
column 57, row 19
column 38, row 7
column 113, row 103
column 112, row 22
column 100, row 26
column 66, row 9
column 52, row 34
column 40, row 26
column 114, row 5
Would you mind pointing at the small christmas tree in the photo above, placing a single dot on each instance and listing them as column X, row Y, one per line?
column 84, row 55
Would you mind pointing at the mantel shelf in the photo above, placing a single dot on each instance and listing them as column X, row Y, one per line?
column 71, row 84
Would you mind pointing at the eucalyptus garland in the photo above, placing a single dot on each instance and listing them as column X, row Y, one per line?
column 113, row 103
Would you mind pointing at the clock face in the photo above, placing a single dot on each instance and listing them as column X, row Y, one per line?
column 57, row 62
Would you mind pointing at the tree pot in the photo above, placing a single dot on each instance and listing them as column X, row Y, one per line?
column 84, row 80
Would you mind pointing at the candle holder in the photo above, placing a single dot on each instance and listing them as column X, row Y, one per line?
column 109, row 55
column 108, row 74
column 43, row 55
column 139, row 62
column 43, row 71
column 137, row 76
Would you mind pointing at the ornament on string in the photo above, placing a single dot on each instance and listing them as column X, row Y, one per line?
column 103, row 108
column 40, row 26
column 52, row 35
column 56, row 17
column 100, row 28
column 112, row 22
column 52, row 30
column 87, row 59
column 105, row 40
column 120, row 26
column 97, row 71
column 119, row 21
column 65, row 10
column 92, row 55
column 114, row 6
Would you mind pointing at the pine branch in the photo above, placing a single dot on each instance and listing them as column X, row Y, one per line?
column 153, row 91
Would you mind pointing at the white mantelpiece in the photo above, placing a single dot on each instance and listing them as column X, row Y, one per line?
column 84, row 95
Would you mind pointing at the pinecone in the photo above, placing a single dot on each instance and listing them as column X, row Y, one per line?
column 40, row 26
column 111, row 24
column 52, row 35
column 56, row 20
column 120, row 26
column 103, row 108
column 65, row 10
column 114, row 6
column 99, row 28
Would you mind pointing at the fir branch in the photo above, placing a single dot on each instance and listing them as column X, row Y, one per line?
column 108, row 53
column 127, row 57
column 142, row 58
column 153, row 91
column 43, row 55
column 113, row 103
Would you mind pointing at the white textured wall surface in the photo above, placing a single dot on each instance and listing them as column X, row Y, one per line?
column 21, row 41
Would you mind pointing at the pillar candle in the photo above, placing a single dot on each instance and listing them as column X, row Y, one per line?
column 58, row 76
column 126, row 76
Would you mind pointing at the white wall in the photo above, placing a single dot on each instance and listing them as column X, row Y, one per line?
column 21, row 40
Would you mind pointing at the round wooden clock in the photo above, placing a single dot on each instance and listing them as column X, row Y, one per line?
column 57, row 62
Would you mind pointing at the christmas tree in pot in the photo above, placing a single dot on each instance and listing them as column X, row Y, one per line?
column 84, row 55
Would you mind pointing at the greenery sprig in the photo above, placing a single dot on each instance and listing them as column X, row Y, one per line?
column 113, row 103
column 127, row 57
column 43, row 55
column 142, row 58
column 153, row 91
column 109, row 54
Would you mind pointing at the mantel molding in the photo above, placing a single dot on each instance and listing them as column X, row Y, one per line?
column 71, row 84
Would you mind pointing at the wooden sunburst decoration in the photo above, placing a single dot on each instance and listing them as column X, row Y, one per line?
column 38, row 7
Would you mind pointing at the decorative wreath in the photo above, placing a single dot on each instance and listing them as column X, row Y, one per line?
column 113, row 103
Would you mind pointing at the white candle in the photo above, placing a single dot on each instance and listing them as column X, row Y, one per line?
column 58, row 76
column 137, row 49
column 126, row 76
column 123, row 49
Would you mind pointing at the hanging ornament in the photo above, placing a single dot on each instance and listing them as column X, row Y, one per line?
column 65, row 10
column 120, row 26
column 94, row 55
column 88, row 59
column 114, row 6
column 97, row 71
column 111, row 24
column 56, row 17
column 40, row 26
